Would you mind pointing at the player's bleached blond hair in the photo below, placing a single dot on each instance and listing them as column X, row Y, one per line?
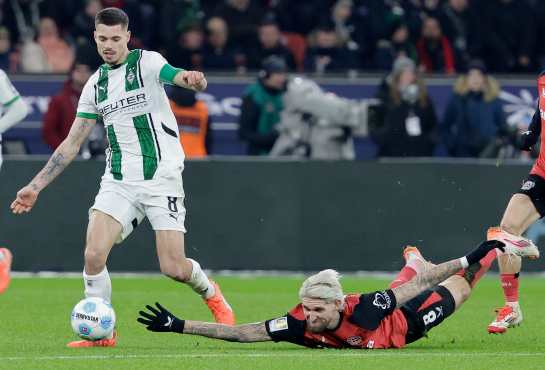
column 323, row 285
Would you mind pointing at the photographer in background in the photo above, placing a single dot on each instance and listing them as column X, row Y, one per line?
column 261, row 107
column 474, row 122
column 404, row 122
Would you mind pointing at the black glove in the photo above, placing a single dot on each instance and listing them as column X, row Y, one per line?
column 482, row 250
column 526, row 140
column 161, row 321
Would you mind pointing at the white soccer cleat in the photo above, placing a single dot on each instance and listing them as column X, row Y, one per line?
column 507, row 317
column 517, row 245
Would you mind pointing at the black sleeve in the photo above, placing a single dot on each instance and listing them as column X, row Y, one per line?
column 528, row 139
column 248, row 120
column 373, row 308
column 286, row 329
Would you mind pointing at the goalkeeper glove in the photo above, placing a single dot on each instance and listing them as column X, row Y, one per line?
column 161, row 320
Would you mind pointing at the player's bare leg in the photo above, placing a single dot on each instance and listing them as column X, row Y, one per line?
column 5, row 268
column 518, row 216
column 174, row 264
column 102, row 232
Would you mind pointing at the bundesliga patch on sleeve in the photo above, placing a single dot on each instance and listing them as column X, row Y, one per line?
column 278, row 324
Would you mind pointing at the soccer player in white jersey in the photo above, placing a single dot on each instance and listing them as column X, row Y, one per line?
column 13, row 111
column 143, row 176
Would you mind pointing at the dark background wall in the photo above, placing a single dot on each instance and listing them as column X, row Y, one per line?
column 286, row 215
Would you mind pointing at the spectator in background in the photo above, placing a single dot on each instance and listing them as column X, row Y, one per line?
column 188, row 50
column 261, row 107
column 404, row 123
column 59, row 55
column 300, row 17
column 327, row 55
column 243, row 18
column 434, row 50
column 510, row 35
column 62, row 108
column 84, row 23
column 175, row 16
column 461, row 26
column 5, row 50
column 474, row 117
column 218, row 54
column 193, row 122
column 398, row 45
column 270, row 43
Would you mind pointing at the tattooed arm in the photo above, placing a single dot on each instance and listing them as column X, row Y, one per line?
column 425, row 280
column 439, row 273
column 245, row 333
column 159, row 319
column 60, row 159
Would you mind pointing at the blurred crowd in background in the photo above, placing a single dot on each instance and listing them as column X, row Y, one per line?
column 314, row 36
column 399, row 39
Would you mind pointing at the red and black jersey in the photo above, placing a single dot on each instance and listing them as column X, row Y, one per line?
column 367, row 321
column 536, row 127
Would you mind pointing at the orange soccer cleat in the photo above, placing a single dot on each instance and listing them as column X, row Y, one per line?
column 222, row 311
column 5, row 268
column 106, row 342
column 514, row 244
column 411, row 250
column 507, row 317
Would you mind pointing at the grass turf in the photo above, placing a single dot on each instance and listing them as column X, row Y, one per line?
column 34, row 328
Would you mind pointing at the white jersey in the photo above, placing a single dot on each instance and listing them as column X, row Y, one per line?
column 8, row 94
column 141, row 128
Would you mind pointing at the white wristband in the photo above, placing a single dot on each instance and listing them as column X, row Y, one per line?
column 464, row 262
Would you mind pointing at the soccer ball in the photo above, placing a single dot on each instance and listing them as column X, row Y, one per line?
column 93, row 318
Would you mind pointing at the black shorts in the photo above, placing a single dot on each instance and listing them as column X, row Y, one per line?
column 426, row 311
column 534, row 187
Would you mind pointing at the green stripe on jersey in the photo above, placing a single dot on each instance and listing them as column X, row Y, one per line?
column 145, row 137
column 102, row 84
column 133, row 78
column 10, row 102
column 168, row 73
column 87, row 115
column 115, row 154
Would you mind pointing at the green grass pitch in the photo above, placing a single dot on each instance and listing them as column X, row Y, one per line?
column 34, row 328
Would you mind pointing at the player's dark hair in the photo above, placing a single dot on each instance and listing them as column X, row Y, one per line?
column 112, row 17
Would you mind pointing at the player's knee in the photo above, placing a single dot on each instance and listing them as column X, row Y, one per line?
column 464, row 292
column 94, row 257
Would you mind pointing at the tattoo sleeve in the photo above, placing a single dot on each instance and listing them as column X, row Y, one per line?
column 64, row 154
column 255, row 332
column 426, row 280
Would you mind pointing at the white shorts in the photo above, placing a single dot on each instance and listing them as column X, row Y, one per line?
column 130, row 203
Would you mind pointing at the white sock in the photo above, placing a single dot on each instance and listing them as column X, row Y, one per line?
column 199, row 281
column 98, row 285
column 513, row 304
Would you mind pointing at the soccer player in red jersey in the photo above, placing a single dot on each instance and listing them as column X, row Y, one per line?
column 420, row 298
column 524, row 208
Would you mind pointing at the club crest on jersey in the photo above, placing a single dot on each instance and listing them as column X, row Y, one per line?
column 131, row 77
column 528, row 185
column 382, row 300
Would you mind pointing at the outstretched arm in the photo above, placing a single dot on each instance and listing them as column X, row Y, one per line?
column 439, row 273
column 60, row 159
column 245, row 333
column 161, row 320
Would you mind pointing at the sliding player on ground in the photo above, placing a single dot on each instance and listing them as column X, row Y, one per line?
column 143, row 176
column 420, row 298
